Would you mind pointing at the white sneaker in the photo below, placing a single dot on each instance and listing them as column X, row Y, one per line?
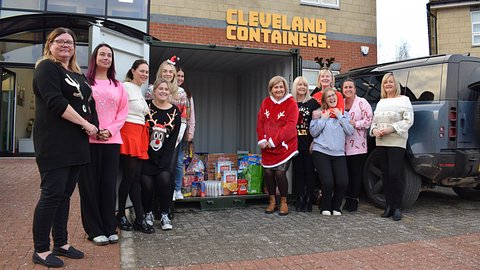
column 173, row 199
column 326, row 213
column 101, row 240
column 165, row 222
column 178, row 195
column 149, row 218
column 337, row 213
column 113, row 239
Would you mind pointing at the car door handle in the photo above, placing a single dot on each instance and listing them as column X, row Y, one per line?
column 463, row 123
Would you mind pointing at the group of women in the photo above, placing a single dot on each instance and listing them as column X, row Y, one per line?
column 327, row 133
column 86, row 126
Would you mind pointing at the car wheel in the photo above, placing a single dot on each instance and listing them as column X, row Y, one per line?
column 468, row 193
column 373, row 185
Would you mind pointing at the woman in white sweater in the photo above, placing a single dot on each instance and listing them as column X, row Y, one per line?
column 392, row 118
column 134, row 150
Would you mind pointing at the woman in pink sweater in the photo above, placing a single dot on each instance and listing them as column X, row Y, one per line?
column 97, row 185
column 355, row 144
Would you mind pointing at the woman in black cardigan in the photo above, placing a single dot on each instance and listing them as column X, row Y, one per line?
column 64, row 118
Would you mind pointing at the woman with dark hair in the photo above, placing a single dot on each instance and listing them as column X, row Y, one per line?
column 164, row 125
column 356, row 144
column 65, row 116
column 392, row 119
column 97, row 185
column 134, row 150
column 277, row 137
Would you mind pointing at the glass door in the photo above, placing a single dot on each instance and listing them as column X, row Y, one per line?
column 7, row 111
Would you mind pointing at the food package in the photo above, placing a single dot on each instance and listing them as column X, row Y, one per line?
column 221, row 166
column 242, row 186
column 229, row 180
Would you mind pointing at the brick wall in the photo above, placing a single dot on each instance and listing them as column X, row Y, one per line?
column 454, row 31
column 346, row 53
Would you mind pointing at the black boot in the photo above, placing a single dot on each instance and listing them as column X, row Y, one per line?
column 353, row 205
column 308, row 203
column 299, row 205
column 388, row 212
column 347, row 204
column 141, row 225
column 397, row 214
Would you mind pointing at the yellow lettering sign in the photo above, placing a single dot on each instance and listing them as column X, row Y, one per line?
column 275, row 28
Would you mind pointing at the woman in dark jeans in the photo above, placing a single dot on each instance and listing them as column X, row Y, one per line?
column 65, row 116
column 392, row 119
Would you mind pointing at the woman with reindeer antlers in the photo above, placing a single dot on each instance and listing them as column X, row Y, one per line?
column 325, row 80
column 164, row 125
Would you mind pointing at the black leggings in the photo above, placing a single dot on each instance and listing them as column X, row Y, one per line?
column 130, row 185
column 391, row 165
column 275, row 178
column 160, row 184
column 303, row 174
column 334, row 178
column 355, row 174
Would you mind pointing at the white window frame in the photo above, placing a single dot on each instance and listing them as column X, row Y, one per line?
column 320, row 3
column 475, row 23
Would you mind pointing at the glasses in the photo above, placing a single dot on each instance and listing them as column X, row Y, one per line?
column 63, row 42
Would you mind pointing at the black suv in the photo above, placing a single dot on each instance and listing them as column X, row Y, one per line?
column 444, row 142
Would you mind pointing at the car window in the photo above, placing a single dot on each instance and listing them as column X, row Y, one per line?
column 424, row 83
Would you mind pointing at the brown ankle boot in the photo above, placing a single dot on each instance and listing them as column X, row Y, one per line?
column 271, row 205
column 283, row 207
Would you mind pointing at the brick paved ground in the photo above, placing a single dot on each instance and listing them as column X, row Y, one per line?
column 19, row 193
column 440, row 232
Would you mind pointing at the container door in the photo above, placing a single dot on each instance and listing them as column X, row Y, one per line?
column 7, row 111
column 126, row 49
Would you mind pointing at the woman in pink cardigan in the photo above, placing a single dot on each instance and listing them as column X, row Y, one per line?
column 356, row 144
column 97, row 185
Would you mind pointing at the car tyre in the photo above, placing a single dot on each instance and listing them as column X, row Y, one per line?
column 373, row 185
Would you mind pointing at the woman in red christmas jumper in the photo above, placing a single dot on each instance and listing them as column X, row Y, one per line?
column 277, row 137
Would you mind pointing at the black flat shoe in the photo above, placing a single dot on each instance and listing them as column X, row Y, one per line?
column 300, row 204
column 71, row 252
column 308, row 204
column 123, row 223
column 388, row 212
column 353, row 205
column 397, row 214
column 143, row 227
column 346, row 205
column 50, row 260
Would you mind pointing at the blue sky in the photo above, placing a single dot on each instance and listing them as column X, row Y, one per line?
column 398, row 21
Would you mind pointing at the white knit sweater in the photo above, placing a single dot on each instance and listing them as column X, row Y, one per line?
column 393, row 112
column 137, row 107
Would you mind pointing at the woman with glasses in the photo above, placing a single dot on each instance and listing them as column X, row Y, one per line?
column 329, row 134
column 65, row 116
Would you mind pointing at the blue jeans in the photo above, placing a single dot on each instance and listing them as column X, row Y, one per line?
column 179, row 168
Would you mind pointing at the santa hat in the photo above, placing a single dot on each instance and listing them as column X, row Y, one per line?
column 173, row 60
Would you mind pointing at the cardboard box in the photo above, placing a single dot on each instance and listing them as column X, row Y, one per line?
column 211, row 160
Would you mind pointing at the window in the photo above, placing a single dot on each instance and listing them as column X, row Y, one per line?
column 128, row 8
column 323, row 3
column 91, row 7
column 311, row 75
column 25, row 4
column 475, row 28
